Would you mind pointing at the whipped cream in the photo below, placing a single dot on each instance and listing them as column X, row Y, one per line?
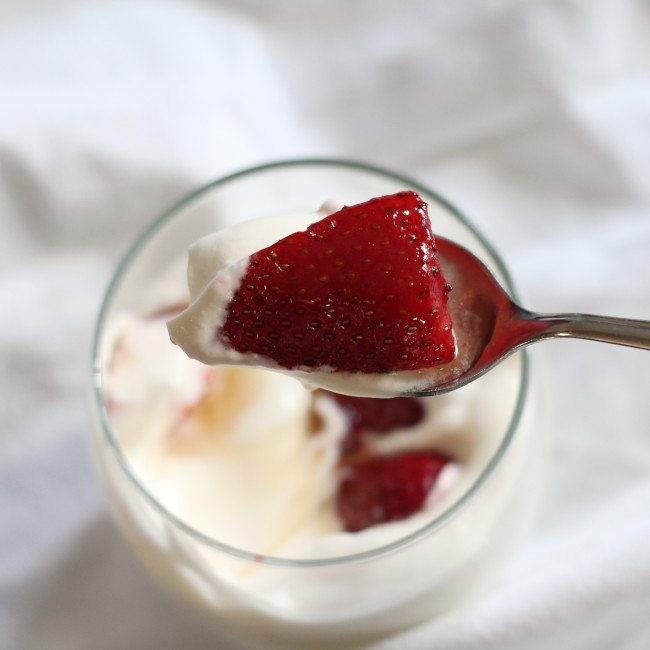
column 217, row 264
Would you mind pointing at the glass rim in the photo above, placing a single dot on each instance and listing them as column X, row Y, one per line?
column 99, row 404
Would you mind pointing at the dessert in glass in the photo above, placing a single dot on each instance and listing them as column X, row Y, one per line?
column 235, row 486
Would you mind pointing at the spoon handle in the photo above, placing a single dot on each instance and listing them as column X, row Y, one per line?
column 622, row 331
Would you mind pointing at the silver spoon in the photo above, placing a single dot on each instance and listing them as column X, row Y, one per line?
column 489, row 326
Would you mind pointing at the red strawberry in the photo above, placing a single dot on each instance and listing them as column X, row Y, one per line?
column 360, row 290
column 380, row 415
column 386, row 488
column 375, row 415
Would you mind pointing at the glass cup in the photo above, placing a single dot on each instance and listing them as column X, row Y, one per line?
column 357, row 593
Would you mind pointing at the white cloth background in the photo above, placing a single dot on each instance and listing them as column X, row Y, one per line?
column 533, row 117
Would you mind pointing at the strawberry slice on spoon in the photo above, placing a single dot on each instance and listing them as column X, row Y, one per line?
column 358, row 292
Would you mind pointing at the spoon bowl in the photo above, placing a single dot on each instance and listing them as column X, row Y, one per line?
column 489, row 326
